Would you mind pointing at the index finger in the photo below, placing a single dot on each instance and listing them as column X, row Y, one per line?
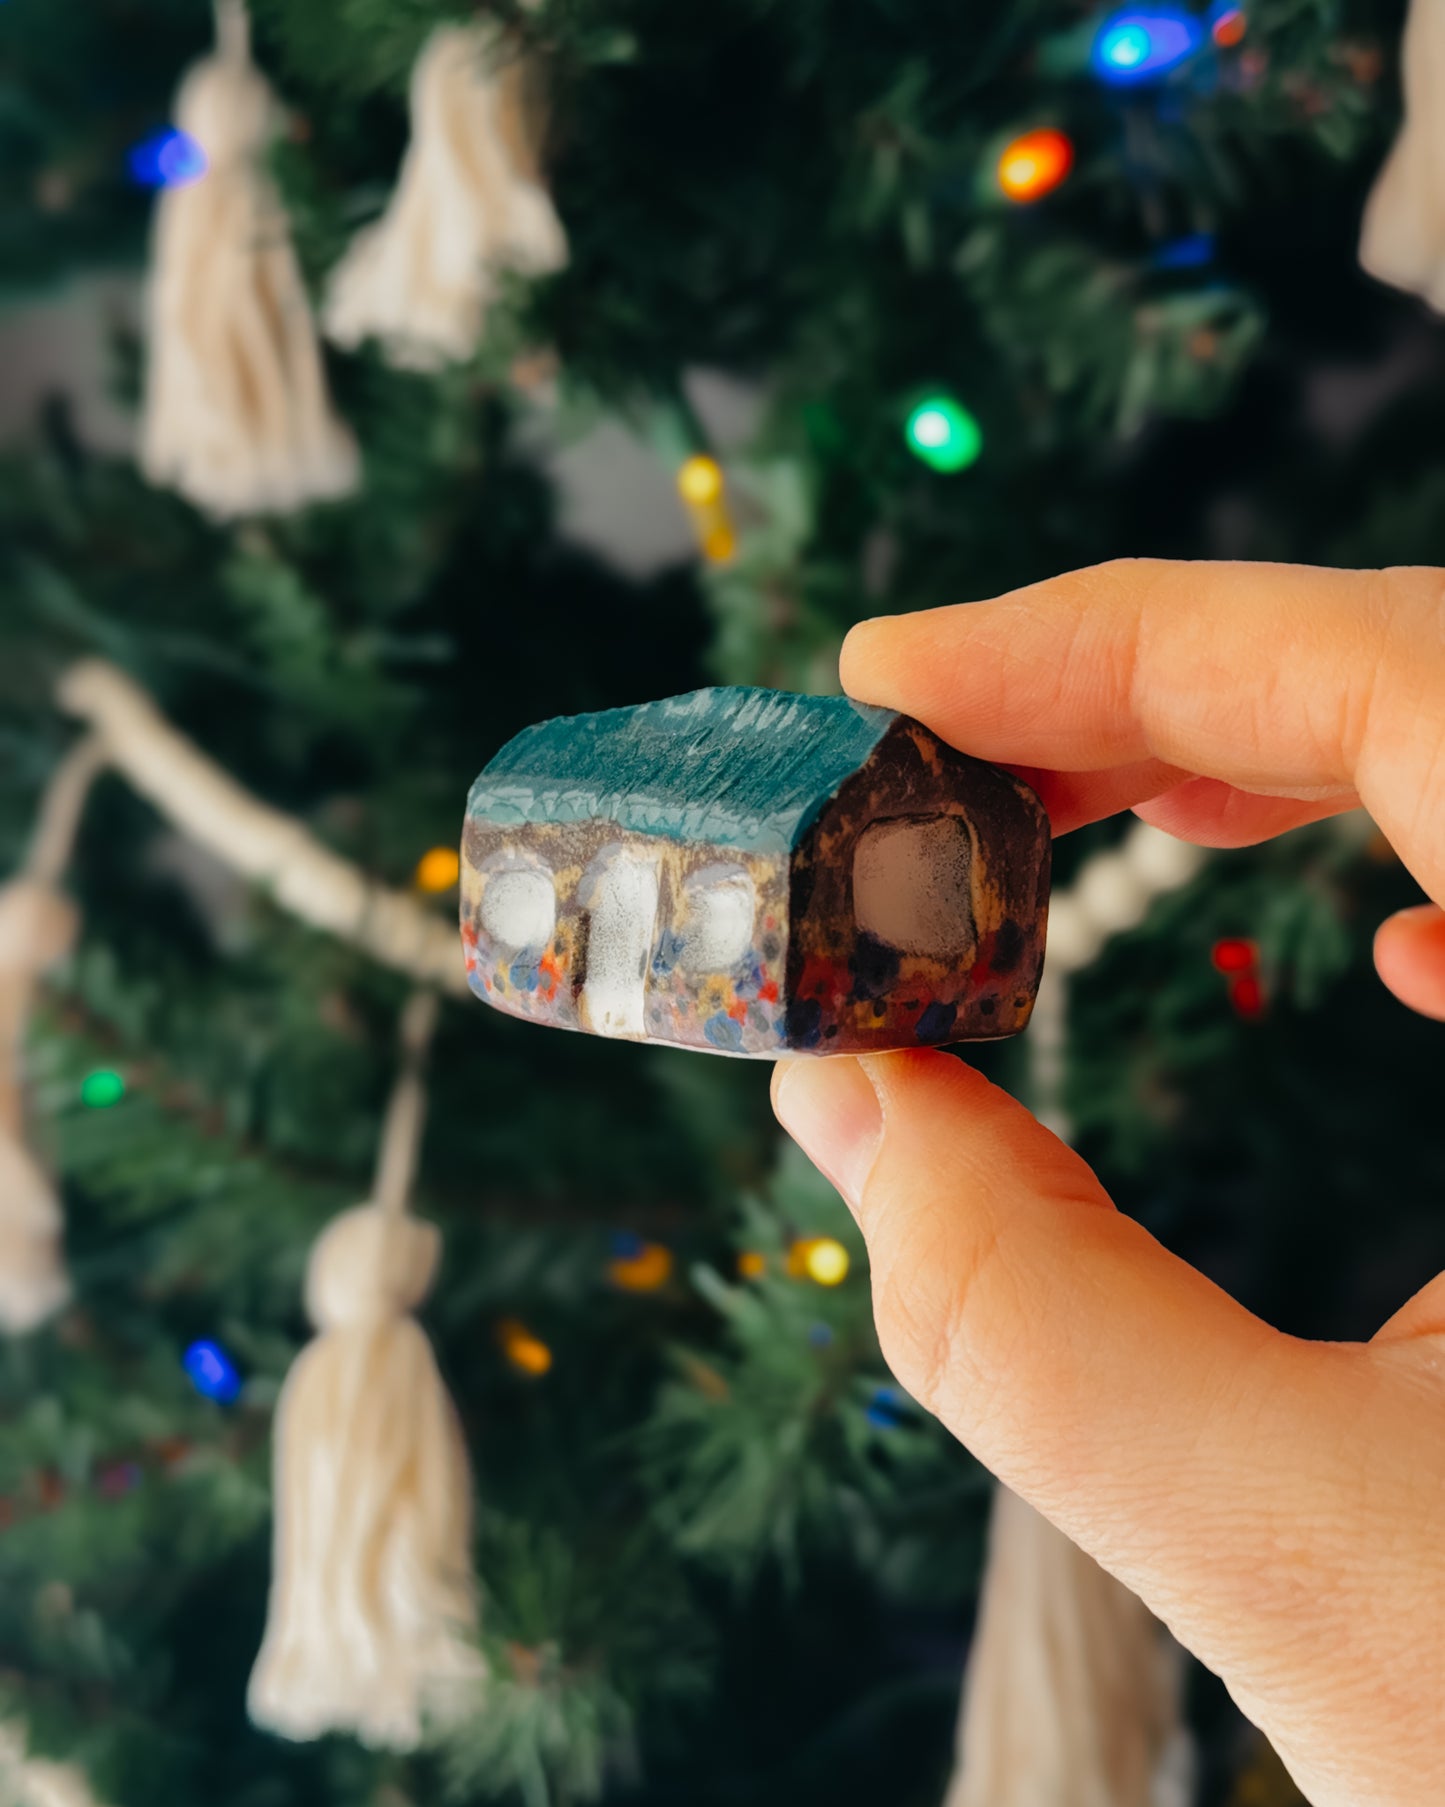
column 1272, row 678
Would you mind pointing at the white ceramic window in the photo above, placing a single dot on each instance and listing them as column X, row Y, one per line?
column 717, row 924
column 519, row 907
column 912, row 886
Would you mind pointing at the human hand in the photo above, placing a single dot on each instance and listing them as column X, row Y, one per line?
column 1279, row 1504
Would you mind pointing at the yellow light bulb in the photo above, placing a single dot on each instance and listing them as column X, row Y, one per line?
column 752, row 1265
column 823, row 1259
column 437, row 870
column 700, row 481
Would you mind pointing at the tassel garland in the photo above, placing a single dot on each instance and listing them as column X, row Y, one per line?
column 237, row 416
column 1403, row 240
column 372, row 1616
column 1072, row 1694
column 469, row 201
column 38, row 928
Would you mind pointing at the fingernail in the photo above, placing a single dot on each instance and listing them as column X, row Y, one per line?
column 831, row 1110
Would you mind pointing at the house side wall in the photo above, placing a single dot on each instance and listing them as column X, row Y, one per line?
column 738, row 1010
column 849, row 992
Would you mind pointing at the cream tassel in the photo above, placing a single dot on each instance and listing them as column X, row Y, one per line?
column 237, row 415
column 38, row 927
column 1072, row 1695
column 1403, row 241
column 372, row 1617
column 27, row 1781
column 469, row 201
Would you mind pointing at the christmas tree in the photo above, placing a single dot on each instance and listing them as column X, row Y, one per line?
column 1008, row 289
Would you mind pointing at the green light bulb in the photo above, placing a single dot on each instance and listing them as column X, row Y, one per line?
column 943, row 434
column 101, row 1088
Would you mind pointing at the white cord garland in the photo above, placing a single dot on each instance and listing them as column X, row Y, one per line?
column 1071, row 1696
column 274, row 850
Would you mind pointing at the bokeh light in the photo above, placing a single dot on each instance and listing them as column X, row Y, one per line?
column 1136, row 45
column 212, row 1372
column 167, row 159
column 943, row 434
column 102, row 1088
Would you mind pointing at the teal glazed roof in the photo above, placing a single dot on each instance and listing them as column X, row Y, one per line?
column 741, row 768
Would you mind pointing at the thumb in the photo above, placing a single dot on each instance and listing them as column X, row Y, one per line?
column 1170, row 1433
column 1410, row 954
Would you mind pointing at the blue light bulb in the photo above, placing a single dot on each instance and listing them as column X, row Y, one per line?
column 1141, row 43
column 212, row 1372
column 1189, row 253
column 887, row 1409
column 1126, row 46
column 167, row 159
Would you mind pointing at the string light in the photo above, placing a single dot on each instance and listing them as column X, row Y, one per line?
column 1035, row 164
column 821, row 1259
column 943, row 434
column 102, row 1088
column 438, row 869
column 703, row 491
column 167, row 159
column 638, row 1266
column 1246, row 994
column 887, row 1409
column 212, row 1372
column 1189, row 253
column 752, row 1265
column 1238, row 960
column 118, row 1478
column 719, row 544
column 528, row 1354
column 1140, row 44
column 700, row 481
column 1228, row 27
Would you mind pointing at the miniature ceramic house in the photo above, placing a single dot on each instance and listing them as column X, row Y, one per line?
column 754, row 873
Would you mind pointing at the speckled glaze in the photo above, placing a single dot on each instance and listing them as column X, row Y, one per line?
column 737, row 1011
column 849, row 993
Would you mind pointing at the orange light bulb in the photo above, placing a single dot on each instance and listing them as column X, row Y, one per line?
column 650, row 1268
column 528, row 1354
column 437, row 869
column 1035, row 165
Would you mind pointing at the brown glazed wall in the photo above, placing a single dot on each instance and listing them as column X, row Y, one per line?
column 848, row 993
